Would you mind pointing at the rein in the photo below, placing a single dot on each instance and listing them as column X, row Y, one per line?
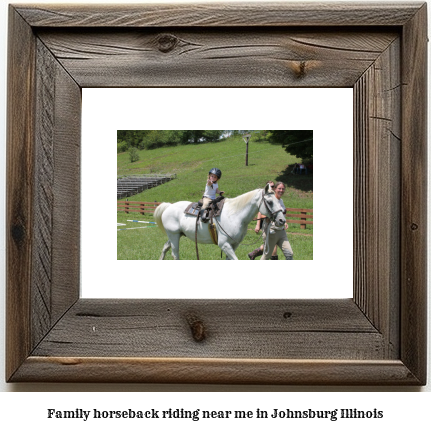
column 196, row 237
column 220, row 226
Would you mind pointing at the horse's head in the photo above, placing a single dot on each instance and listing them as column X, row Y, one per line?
column 270, row 207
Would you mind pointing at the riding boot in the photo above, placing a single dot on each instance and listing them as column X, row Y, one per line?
column 204, row 216
column 274, row 257
column 255, row 253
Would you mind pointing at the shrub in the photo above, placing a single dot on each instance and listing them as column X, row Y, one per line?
column 133, row 154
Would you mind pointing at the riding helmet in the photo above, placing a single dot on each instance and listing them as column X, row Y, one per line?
column 215, row 171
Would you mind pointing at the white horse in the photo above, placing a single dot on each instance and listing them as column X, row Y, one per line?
column 231, row 224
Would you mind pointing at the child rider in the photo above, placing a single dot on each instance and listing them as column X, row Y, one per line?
column 211, row 189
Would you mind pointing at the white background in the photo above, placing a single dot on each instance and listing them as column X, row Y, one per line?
column 328, row 112
column 403, row 408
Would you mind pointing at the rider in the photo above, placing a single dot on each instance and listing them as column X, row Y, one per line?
column 211, row 188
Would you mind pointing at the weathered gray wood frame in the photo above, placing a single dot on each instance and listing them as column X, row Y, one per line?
column 378, row 337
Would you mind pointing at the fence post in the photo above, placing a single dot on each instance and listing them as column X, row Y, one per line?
column 142, row 208
column 303, row 225
column 126, row 209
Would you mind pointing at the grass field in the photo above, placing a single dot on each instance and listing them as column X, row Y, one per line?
column 191, row 163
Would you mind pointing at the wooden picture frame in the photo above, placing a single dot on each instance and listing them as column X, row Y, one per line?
column 376, row 338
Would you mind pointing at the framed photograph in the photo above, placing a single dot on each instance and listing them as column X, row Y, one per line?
column 376, row 337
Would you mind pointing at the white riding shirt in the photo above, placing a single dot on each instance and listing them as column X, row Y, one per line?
column 210, row 191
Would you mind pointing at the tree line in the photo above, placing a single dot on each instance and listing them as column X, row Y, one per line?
column 149, row 139
column 295, row 142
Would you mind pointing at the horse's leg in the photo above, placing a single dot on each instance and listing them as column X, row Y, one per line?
column 166, row 248
column 175, row 243
column 229, row 251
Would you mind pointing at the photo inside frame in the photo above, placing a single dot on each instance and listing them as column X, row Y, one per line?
column 328, row 112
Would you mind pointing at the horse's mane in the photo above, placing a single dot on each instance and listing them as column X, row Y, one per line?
column 236, row 204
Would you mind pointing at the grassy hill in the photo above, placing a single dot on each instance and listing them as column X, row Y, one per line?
column 191, row 163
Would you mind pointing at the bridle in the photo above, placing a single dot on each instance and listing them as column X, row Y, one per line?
column 273, row 213
column 272, row 219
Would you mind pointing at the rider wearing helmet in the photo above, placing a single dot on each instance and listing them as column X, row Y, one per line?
column 211, row 189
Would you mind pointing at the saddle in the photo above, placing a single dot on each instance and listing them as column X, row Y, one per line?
column 214, row 210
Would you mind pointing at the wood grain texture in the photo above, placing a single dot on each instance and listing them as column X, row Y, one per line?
column 43, row 191
column 228, row 58
column 215, row 371
column 377, row 182
column 269, row 329
column 55, row 280
column 221, row 15
column 67, row 198
column 20, row 197
column 413, row 194
column 378, row 337
column 44, row 195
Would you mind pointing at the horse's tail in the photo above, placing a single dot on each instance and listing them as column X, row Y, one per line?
column 158, row 215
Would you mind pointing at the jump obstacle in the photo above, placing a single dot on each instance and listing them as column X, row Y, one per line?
column 136, row 221
column 131, row 228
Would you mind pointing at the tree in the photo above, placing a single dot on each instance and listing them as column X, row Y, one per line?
column 296, row 142
column 260, row 135
column 236, row 132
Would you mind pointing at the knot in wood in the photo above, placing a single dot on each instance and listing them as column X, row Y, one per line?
column 197, row 328
column 167, row 42
column 414, row 226
column 300, row 68
column 18, row 233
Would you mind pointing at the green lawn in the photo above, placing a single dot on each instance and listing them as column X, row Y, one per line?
column 145, row 242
